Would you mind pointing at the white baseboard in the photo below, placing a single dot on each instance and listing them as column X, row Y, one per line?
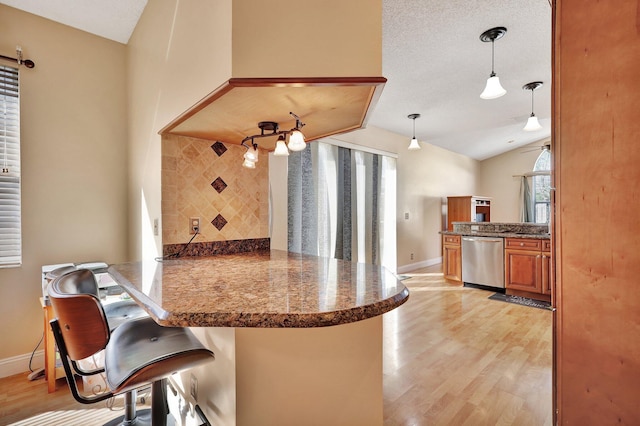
column 20, row 363
column 422, row 264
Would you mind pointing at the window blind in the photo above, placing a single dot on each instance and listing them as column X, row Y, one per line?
column 10, row 226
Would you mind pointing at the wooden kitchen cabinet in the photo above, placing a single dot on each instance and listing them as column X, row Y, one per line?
column 527, row 268
column 468, row 209
column 452, row 257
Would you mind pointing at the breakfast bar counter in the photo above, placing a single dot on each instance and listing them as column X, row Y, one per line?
column 271, row 289
column 297, row 338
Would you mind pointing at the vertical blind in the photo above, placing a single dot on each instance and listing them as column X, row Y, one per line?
column 341, row 204
column 10, row 233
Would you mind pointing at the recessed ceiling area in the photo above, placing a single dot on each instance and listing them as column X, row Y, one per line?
column 432, row 58
column 233, row 111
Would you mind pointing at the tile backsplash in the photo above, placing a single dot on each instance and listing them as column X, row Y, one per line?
column 206, row 179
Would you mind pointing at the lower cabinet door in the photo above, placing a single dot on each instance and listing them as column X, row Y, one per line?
column 523, row 270
column 546, row 273
column 452, row 264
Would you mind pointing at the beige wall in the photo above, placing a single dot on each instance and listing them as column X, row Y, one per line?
column 74, row 163
column 496, row 180
column 313, row 38
column 178, row 53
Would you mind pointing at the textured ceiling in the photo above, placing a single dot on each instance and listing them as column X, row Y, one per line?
column 433, row 60
column 437, row 66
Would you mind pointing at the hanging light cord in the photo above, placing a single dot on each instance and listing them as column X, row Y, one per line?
column 493, row 42
column 532, row 114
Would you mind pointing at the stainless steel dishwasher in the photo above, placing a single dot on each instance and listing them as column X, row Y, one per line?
column 483, row 261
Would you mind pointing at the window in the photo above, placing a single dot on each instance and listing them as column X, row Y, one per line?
column 342, row 204
column 542, row 187
column 10, row 232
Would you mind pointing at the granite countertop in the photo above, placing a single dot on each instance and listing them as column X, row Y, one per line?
column 273, row 289
column 505, row 234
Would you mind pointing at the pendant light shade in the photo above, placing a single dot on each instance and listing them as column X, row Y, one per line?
column 493, row 89
column 414, row 142
column 296, row 141
column 532, row 123
column 281, row 147
column 249, row 164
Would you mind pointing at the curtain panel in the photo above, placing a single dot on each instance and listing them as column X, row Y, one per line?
column 341, row 204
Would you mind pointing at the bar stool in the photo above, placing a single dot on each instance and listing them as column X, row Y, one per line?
column 117, row 312
column 137, row 353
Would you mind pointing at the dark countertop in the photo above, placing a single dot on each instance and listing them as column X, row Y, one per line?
column 273, row 289
column 497, row 234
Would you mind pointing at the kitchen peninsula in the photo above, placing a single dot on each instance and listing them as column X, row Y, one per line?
column 307, row 330
column 526, row 252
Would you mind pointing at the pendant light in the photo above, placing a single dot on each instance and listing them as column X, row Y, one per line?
column 493, row 89
column 532, row 123
column 414, row 142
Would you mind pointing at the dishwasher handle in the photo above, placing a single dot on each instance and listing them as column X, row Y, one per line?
column 482, row 239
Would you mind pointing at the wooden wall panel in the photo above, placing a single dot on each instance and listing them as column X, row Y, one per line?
column 597, row 176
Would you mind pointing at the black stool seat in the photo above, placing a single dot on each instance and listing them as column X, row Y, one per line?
column 140, row 350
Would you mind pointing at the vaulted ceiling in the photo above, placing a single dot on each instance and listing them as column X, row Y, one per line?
column 433, row 59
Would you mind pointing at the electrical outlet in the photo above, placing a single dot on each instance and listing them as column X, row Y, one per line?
column 194, row 225
column 155, row 227
column 406, row 216
column 411, row 256
column 193, row 387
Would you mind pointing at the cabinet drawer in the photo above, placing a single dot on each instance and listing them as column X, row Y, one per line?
column 522, row 244
column 546, row 245
column 452, row 239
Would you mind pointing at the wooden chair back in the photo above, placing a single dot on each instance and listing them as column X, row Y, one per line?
column 82, row 320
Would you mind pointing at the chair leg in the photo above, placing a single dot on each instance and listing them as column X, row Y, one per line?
column 130, row 408
column 159, row 404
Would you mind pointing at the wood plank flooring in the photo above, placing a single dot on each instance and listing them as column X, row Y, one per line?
column 451, row 357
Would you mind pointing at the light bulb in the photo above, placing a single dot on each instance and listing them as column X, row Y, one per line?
column 281, row 148
column 532, row 124
column 296, row 141
column 414, row 144
column 493, row 89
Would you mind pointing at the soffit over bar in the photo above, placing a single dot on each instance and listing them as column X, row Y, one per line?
column 326, row 105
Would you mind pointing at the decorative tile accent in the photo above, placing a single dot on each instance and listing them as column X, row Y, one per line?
column 219, row 185
column 190, row 167
column 219, row 222
column 219, row 148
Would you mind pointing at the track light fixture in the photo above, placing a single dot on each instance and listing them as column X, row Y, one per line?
column 414, row 142
column 532, row 123
column 493, row 89
column 268, row 129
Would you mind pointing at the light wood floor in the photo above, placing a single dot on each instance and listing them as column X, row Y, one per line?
column 451, row 357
